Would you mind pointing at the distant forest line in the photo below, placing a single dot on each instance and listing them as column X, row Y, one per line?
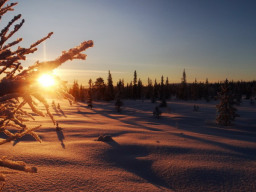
column 163, row 90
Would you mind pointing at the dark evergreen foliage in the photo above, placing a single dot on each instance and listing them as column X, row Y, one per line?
column 110, row 88
column 162, row 91
column 118, row 102
column 154, row 93
column 75, row 91
column 89, row 95
column 183, row 92
column 99, row 88
column 135, row 86
column 226, row 109
column 157, row 113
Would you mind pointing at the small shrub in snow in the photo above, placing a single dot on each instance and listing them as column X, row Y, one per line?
column 118, row 102
column 157, row 113
column 105, row 138
column 163, row 103
column 196, row 108
column 89, row 96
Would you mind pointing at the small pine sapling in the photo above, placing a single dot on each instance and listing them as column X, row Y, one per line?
column 157, row 113
column 118, row 102
column 196, row 108
column 89, row 100
column 89, row 95
column 163, row 102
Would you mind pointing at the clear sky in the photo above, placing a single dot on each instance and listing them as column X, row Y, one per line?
column 214, row 39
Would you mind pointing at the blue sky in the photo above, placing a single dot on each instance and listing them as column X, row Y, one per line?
column 209, row 38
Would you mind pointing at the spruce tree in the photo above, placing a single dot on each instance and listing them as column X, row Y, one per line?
column 110, row 88
column 82, row 93
column 154, row 93
column 167, row 89
column 149, row 89
column 139, row 89
column 99, row 87
column 135, row 86
column 206, row 90
column 118, row 102
column 183, row 92
column 226, row 110
column 75, row 90
column 89, row 95
column 194, row 90
column 162, row 93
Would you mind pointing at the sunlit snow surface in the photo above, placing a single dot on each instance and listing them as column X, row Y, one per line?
column 181, row 151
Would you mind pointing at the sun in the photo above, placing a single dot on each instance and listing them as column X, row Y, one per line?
column 46, row 80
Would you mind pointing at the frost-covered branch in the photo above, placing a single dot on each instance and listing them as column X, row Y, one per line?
column 17, row 165
column 17, row 85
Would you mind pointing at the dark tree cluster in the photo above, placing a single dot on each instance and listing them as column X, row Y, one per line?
column 161, row 91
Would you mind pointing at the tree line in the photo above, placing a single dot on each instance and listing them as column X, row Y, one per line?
column 163, row 90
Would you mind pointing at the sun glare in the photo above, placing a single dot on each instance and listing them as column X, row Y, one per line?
column 46, row 80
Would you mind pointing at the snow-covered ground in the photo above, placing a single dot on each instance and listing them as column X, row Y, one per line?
column 182, row 151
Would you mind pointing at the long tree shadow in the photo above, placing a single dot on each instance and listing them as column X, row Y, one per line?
column 62, row 112
column 130, row 158
column 190, row 121
column 242, row 152
column 61, row 137
column 109, row 112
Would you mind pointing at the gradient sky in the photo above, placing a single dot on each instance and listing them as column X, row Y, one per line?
column 214, row 39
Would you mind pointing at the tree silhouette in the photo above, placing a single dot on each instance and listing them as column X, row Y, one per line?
column 226, row 109
column 89, row 95
column 183, row 92
column 135, row 85
column 110, row 88
column 99, row 87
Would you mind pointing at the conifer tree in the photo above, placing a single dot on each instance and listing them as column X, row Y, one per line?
column 110, row 88
column 183, row 92
column 75, row 90
column 135, row 86
column 82, row 93
column 226, row 109
column 206, row 90
column 99, row 87
column 139, row 89
column 149, row 89
column 162, row 93
column 167, row 89
column 89, row 95
column 154, row 93
column 118, row 102
column 194, row 90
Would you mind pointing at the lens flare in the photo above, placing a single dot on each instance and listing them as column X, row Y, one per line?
column 46, row 80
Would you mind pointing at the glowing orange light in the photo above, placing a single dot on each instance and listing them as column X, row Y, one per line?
column 46, row 80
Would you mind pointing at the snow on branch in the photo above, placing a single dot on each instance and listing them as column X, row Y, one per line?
column 18, row 86
column 17, row 83
column 17, row 135
column 17, row 165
